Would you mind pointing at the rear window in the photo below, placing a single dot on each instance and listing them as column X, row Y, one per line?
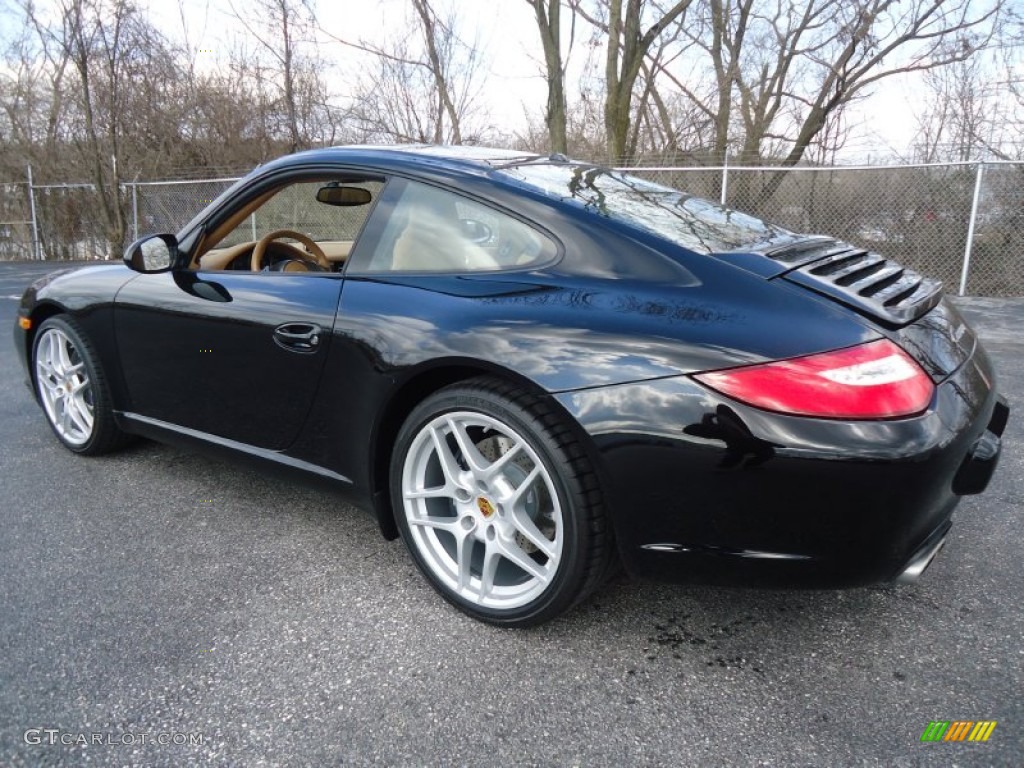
column 690, row 221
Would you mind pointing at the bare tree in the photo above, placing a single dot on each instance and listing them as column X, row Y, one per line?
column 433, row 30
column 627, row 46
column 955, row 124
column 782, row 70
column 664, row 125
column 989, row 95
column 549, row 25
column 106, row 67
column 288, row 76
column 31, row 86
column 424, row 84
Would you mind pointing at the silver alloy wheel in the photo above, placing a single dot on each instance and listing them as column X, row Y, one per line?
column 482, row 510
column 63, row 384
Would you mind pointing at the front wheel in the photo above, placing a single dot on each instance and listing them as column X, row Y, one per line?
column 73, row 389
column 498, row 505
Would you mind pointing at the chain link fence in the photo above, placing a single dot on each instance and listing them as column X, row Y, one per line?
column 167, row 206
column 996, row 266
column 16, row 232
column 68, row 222
column 962, row 223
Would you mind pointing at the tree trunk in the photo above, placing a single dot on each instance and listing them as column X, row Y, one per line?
column 426, row 15
column 627, row 49
column 549, row 26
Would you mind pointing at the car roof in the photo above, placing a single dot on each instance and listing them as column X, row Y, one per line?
column 454, row 157
column 458, row 152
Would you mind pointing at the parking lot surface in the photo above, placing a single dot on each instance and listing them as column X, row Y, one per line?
column 157, row 594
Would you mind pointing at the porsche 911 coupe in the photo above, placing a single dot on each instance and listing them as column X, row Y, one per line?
column 534, row 370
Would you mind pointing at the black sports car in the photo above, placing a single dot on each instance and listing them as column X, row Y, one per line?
column 533, row 369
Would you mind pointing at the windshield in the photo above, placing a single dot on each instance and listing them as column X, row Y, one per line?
column 684, row 219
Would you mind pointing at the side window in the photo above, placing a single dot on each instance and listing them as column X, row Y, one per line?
column 433, row 230
column 314, row 222
column 295, row 207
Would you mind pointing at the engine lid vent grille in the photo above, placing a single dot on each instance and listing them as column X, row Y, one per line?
column 866, row 281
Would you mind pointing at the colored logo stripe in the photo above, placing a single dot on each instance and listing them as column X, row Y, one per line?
column 958, row 730
column 982, row 730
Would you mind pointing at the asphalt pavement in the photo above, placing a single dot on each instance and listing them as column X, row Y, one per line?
column 173, row 610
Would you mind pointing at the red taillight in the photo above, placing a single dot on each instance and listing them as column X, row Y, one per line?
column 877, row 380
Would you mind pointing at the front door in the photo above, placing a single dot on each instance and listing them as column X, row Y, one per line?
column 233, row 354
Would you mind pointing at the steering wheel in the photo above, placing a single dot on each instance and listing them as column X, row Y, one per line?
column 315, row 256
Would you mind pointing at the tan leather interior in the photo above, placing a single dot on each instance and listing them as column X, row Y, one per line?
column 228, row 226
column 429, row 243
column 336, row 251
column 221, row 257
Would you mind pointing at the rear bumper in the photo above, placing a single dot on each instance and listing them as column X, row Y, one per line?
column 705, row 489
column 980, row 462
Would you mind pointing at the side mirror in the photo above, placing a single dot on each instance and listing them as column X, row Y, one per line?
column 153, row 253
column 343, row 196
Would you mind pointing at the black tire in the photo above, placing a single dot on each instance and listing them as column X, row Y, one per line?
column 104, row 435
column 586, row 545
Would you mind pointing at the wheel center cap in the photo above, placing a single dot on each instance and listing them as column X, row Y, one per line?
column 485, row 506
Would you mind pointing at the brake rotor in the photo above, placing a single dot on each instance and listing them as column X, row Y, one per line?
column 494, row 447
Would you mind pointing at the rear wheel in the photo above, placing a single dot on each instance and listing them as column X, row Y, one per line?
column 72, row 389
column 498, row 505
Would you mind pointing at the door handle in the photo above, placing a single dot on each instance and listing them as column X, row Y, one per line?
column 298, row 337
